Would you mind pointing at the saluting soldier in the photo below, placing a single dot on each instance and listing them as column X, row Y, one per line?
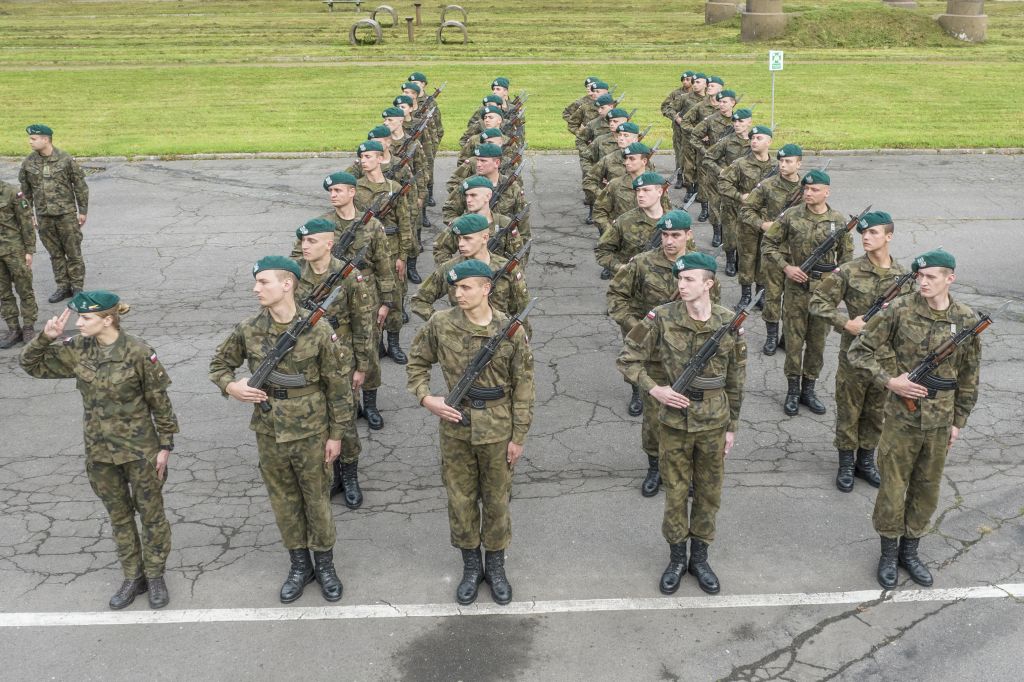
column 512, row 200
column 631, row 232
column 670, row 109
column 17, row 245
column 54, row 186
column 129, row 427
column 705, row 133
column 913, row 444
column 299, row 438
column 698, row 428
column 745, row 166
column 477, row 460
column 618, row 196
column 789, row 242
column 478, row 191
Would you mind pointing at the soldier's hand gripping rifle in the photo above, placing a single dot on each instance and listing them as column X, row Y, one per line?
column 383, row 205
column 494, row 243
column 506, row 183
column 924, row 375
column 829, row 243
column 514, row 261
column 480, row 361
column 886, row 297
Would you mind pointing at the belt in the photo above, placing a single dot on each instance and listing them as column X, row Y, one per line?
column 286, row 393
column 390, row 231
column 479, row 397
column 701, row 384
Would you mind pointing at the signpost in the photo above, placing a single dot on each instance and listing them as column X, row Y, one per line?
column 774, row 64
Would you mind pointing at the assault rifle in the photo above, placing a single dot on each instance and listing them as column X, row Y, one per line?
column 512, row 228
column 882, row 302
column 480, row 361
column 924, row 375
column 428, row 101
column 323, row 290
column 383, row 205
column 506, row 183
column 403, row 161
column 829, row 243
column 514, row 261
column 418, row 130
column 644, row 132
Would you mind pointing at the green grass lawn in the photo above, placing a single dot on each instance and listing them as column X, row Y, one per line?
column 183, row 76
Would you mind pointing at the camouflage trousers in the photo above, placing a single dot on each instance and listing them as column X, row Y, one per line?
column 62, row 237
column 351, row 446
column 124, row 490
column 15, row 275
column 678, row 145
column 697, row 457
column 749, row 244
column 393, row 322
column 805, row 334
column 298, row 483
column 650, row 430
column 478, row 481
column 860, row 407
column 774, row 281
column 689, row 162
column 910, row 461
column 729, row 221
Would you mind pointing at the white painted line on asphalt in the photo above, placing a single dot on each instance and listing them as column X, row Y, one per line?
column 524, row 608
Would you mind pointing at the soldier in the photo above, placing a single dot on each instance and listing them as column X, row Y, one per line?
column 478, row 191
column 511, row 155
column 735, row 181
column 731, row 145
column 54, row 185
column 420, row 79
column 670, row 110
column 608, row 141
column 859, row 403
column 597, row 127
column 618, row 196
column 477, row 460
column 695, row 96
column 351, row 315
column 913, row 445
column 758, row 213
column 698, row 111
column 474, row 119
column 299, row 438
column 129, row 427
column 697, row 428
column 788, row 243
column 431, row 138
column 512, row 199
column 17, row 244
column 573, row 106
column 631, row 232
column 587, row 110
column 703, row 135
column 491, row 116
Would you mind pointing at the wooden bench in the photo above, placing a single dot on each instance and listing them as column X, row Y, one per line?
column 330, row 3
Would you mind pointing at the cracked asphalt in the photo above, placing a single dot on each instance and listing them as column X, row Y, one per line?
column 176, row 239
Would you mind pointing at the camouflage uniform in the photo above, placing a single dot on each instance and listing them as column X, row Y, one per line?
column 765, row 203
column 789, row 242
column 509, row 294
column 617, row 197
column 595, row 151
column 446, row 245
column 599, row 174
column 628, row 235
column 859, row 402
column 698, row 111
column 473, row 458
column 670, row 107
column 579, row 118
column 415, row 171
column 467, row 168
column 398, row 229
column 736, row 179
column 718, row 157
column 55, row 187
column 572, row 107
column 913, row 445
column 17, row 238
column 713, row 128
column 692, row 441
column 290, row 438
column 128, row 418
column 510, row 203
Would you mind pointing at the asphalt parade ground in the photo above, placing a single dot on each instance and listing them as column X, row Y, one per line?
column 796, row 558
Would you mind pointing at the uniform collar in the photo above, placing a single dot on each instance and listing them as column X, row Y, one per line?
column 460, row 320
column 118, row 350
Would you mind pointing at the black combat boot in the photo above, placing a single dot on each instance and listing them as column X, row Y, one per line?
column 606, row 273
column 731, row 263
column 887, row 573
column 299, row 575
column 652, row 481
column 636, row 404
column 909, row 560
column 60, row 295
column 792, row 404
column 28, row 332
column 350, row 483
column 690, row 194
column 430, row 194
column 125, row 595
column 674, row 571
column 395, row 351
column 866, row 468
column 336, row 486
column 12, row 338
column 760, row 302
column 589, row 220
column 381, row 350
column 494, row 574
column 411, row 272
column 809, row 398
column 323, row 566
column 844, row 479
column 472, row 576
column 679, row 178
column 703, row 218
column 424, row 220
column 744, row 296
column 771, row 338
column 716, row 236
column 701, row 569
column 370, row 411
column 158, row 595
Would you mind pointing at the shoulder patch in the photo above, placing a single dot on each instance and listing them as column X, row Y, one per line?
column 651, row 315
column 152, row 358
column 67, row 340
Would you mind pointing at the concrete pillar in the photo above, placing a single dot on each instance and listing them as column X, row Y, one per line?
column 715, row 12
column 900, row 4
column 965, row 20
column 762, row 20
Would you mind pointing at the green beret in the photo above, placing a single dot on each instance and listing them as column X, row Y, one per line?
column 418, row 77
column 616, row 113
column 493, row 99
column 369, row 146
column 715, row 79
column 628, row 127
column 402, row 99
column 378, row 131
column 92, row 301
column 590, row 80
column 276, row 263
column 339, row 178
column 604, row 100
column 873, row 219
column 314, row 226
column 761, row 130
column 699, row 76
column 492, row 110
column 474, row 181
column 488, row 150
column 41, row 129
column 816, row 177
column 646, row 179
column 725, row 93
column 687, row 74
column 415, row 87
column 788, row 150
column 636, row 148
column 598, row 85
column 934, row 259
column 490, row 134
column 500, row 81
column 694, row 261
column 468, row 268
column 741, row 114
column 471, row 223
column 675, row 220
column 392, row 112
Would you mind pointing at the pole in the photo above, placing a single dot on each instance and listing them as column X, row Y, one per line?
column 417, row 5
column 773, row 101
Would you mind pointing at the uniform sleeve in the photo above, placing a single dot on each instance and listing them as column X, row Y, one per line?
column 523, row 387
column 752, row 208
column 637, row 350
column 570, row 110
column 517, row 207
column 23, row 216
column 405, row 241
column 78, row 185
column 444, row 247
column 668, row 106
column 432, row 288
column 608, row 246
column 383, row 269
column 863, row 351
column 698, row 133
column 154, row 385
column 826, row 297
column 362, row 311
column 774, row 238
column 453, row 207
column 26, row 187
column 44, row 359
column 334, row 376
column 967, row 382
column 228, row 357
column 727, row 182
column 735, row 377
column 592, row 180
column 621, row 291
column 603, row 206
column 422, row 355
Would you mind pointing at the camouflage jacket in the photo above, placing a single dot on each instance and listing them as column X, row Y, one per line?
column 724, row 151
column 668, row 333
column 741, row 176
column 128, row 415
column 467, row 167
column 509, row 294
column 617, row 197
column 17, row 236
column 446, row 245
column 571, row 108
column 628, row 235
column 598, row 127
column 416, row 170
column 857, row 283
column 798, row 232
column 353, row 313
column 323, row 404
column 397, row 224
column 671, row 104
column 598, row 175
column 910, row 329
column 585, row 113
column 428, row 139
column 697, row 112
column 510, row 203
column 55, row 184
column 451, row 340
column 767, row 200
column 599, row 147
column 713, row 128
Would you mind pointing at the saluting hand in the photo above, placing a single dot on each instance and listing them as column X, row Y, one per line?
column 666, row 396
column 55, row 325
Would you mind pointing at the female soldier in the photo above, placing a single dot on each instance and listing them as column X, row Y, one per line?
column 128, row 426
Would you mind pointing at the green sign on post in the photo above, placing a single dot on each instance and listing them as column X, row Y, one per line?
column 774, row 64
